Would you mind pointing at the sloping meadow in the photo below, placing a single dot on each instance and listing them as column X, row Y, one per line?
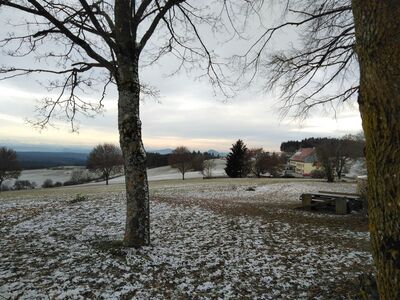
column 52, row 248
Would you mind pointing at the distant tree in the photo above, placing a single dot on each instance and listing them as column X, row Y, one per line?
column 258, row 159
column 80, row 176
column 264, row 162
column 277, row 163
column 327, row 159
column 237, row 161
column 23, row 185
column 197, row 162
column 155, row 160
column 48, row 183
column 9, row 166
column 290, row 146
column 347, row 148
column 208, row 167
column 181, row 159
column 106, row 160
column 317, row 174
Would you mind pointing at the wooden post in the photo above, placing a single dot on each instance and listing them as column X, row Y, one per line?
column 306, row 200
column 341, row 206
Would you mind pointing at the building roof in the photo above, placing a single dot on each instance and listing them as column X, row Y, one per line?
column 303, row 154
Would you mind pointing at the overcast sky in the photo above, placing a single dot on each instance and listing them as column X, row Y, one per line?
column 187, row 113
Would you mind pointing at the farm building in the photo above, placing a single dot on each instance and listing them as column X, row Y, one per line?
column 304, row 161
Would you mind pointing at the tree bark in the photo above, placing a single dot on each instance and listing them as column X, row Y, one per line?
column 377, row 25
column 137, row 230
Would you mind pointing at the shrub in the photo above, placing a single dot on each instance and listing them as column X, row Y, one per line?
column 4, row 188
column 80, row 176
column 79, row 198
column 208, row 167
column 317, row 174
column 23, row 185
column 58, row 184
column 48, row 183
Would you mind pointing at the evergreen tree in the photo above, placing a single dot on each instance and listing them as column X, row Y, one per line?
column 237, row 161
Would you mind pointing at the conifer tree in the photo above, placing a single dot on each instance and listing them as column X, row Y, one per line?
column 237, row 161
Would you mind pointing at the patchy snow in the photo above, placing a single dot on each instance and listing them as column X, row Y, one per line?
column 273, row 193
column 52, row 249
column 38, row 176
column 168, row 173
column 357, row 168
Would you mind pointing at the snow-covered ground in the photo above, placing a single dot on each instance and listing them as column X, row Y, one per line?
column 52, row 248
column 168, row 173
column 282, row 192
column 38, row 176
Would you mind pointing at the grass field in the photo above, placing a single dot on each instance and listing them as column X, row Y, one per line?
column 222, row 238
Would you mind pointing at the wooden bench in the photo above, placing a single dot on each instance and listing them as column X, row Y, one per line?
column 341, row 201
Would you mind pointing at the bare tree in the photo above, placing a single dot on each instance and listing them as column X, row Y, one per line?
column 321, row 68
column 181, row 159
column 347, row 148
column 9, row 166
column 88, row 45
column 343, row 37
column 106, row 160
column 326, row 154
column 208, row 167
column 257, row 161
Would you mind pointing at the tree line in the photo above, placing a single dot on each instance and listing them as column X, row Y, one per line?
column 357, row 140
column 105, row 160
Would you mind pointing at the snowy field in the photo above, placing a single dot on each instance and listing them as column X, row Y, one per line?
column 64, row 174
column 168, row 173
column 38, row 176
column 226, row 239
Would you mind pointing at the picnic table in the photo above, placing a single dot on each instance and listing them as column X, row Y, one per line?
column 342, row 202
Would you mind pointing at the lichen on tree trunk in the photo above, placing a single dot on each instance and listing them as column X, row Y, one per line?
column 377, row 25
column 137, row 230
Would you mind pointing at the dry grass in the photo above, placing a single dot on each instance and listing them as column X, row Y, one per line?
column 210, row 239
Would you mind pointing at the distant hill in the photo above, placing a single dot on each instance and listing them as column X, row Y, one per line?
column 217, row 153
column 161, row 151
column 41, row 160
column 169, row 151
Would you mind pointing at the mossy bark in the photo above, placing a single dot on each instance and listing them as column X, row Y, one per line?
column 377, row 25
column 137, row 230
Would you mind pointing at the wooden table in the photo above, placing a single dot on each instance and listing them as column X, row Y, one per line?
column 340, row 201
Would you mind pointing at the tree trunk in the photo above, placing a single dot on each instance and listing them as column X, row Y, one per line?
column 107, row 179
column 330, row 177
column 377, row 25
column 137, row 230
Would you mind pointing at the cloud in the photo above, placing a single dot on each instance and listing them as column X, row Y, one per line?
column 188, row 113
column 184, row 117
